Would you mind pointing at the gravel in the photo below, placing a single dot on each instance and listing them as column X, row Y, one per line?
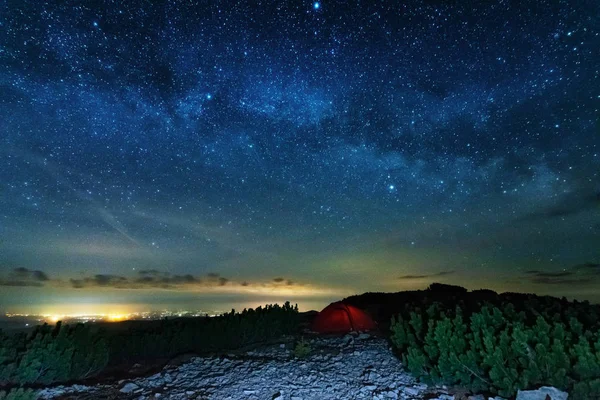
column 349, row 367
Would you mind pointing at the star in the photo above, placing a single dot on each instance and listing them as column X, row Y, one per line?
column 268, row 141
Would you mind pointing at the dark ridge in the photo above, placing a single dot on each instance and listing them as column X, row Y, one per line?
column 383, row 306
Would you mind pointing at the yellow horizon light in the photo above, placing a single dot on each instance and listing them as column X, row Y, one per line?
column 117, row 317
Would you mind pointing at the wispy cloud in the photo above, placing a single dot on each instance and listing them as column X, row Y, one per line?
column 56, row 172
column 427, row 276
column 155, row 279
column 233, row 240
column 152, row 279
column 587, row 273
column 24, row 277
column 569, row 205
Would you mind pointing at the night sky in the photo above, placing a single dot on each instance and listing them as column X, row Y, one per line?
column 166, row 152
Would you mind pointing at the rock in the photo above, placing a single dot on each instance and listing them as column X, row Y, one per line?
column 476, row 397
column 129, row 387
column 369, row 371
column 411, row 391
column 542, row 394
column 496, row 398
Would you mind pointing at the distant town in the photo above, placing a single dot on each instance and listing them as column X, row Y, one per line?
column 23, row 321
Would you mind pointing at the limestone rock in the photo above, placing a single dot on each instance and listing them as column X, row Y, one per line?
column 129, row 387
column 354, row 366
column 542, row 394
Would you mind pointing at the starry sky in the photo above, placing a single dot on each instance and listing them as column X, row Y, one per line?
column 178, row 152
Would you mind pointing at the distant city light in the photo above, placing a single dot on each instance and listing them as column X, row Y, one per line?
column 111, row 317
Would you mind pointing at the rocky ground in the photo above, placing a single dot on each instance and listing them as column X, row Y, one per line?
column 350, row 367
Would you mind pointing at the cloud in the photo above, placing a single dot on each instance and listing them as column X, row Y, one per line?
column 541, row 274
column 588, row 266
column 586, row 273
column 283, row 281
column 147, row 279
column 149, row 272
column 24, row 277
column 99, row 280
column 60, row 175
column 437, row 274
column 152, row 278
column 569, row 205
column 213, row 277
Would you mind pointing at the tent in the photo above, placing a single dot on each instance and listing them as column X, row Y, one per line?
column 341, row 318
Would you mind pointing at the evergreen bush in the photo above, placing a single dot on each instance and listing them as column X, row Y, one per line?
column 302, row 349
column 18, row 394
column 51, row 354
column 64, row 353
column 502, row 349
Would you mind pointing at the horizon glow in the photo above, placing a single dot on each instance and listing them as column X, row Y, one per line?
column 173, row 153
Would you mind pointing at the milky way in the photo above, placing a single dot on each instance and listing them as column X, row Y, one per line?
column 309, row 146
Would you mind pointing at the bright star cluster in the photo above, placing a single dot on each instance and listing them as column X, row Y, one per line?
column 322, row 146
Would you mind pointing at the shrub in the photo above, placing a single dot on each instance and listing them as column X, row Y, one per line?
column 226, row 332
column 302, row 349
column 51, row 354
column 18, row 394
column 500, row 350
column 11, row 349
column 66, row 353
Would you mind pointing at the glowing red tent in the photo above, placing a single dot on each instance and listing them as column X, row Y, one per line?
column 340, row 318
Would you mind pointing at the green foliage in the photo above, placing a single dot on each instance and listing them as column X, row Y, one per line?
column 201, row 335
column 11, row 347
column 502, row 349
column 51, row 354
column 302, row 349
column 63, row 353
column 18, row 394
